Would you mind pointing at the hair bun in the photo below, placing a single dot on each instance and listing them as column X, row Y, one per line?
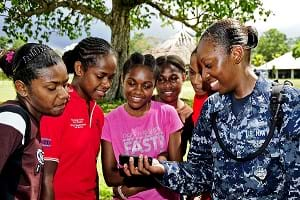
column 137, row 58
column 150, row 60
column 252, row 37
column 6, row 62
column 10, row 56
column 69, row 58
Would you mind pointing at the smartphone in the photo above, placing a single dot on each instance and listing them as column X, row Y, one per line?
column 125, row 159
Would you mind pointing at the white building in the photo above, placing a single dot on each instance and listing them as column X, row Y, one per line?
column 181, row 44
column 285, row 66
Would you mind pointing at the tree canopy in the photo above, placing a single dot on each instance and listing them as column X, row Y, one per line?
column 296, row 49
column 38, row 19
column 7, row 43
column 4, row 42
column 140, row 43
column 272, row 44
column 258, row 59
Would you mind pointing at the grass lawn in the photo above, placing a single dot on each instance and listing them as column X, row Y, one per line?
column 7, row 92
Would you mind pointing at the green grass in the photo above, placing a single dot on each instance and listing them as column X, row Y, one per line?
column 107, row 106
column 7, row 92
column 105, row 191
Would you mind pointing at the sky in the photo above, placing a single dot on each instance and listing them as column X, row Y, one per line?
column 285, row 18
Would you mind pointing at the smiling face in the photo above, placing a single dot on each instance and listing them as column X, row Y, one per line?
column 48, row 93
column 138, row 89
column 169, row 83
column 96, row 80
column 219, row 68
column 195, row 73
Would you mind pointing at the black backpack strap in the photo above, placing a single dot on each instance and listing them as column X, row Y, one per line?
column 275, row 104
column 24, row 114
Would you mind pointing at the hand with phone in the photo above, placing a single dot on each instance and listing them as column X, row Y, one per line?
column 141, row 165
column 124, row 159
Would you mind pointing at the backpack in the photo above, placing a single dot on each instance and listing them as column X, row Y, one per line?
column 23, row 113
column 275, row 105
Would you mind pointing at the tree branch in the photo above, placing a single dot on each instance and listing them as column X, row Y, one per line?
column 173, row 17
column 49, row 6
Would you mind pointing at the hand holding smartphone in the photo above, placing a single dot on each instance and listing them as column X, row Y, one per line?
column 124, row 159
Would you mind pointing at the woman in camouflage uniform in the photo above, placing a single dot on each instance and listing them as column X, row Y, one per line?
column 241, row 113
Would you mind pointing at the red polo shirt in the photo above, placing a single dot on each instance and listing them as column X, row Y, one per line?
column 197, row 106
column 73, row 141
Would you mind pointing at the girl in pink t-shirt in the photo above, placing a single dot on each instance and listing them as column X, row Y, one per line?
column 140, row 126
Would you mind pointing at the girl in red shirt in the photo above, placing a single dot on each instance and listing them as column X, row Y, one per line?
column 202, row 91
column 71, row 142
column 200, row 87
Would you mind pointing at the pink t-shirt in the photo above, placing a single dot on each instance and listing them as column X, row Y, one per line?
column 147, row 135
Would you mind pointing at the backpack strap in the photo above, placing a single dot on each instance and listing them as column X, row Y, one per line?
column 24, row 114
column 275, row 104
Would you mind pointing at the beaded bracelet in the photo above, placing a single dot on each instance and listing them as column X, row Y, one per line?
column 121, row 193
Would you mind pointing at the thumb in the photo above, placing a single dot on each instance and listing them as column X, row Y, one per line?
column 156, row 167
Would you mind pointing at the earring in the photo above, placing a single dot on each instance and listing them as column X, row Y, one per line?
column 23, row 94
column 207, row 77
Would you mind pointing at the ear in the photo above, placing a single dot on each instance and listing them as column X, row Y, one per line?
column 21, row 88
column 184, row 76
column 237, row 53
column 78, row 69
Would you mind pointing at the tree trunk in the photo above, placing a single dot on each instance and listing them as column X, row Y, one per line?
column 120, row 28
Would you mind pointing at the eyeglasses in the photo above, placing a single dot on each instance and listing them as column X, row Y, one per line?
column 171, row 80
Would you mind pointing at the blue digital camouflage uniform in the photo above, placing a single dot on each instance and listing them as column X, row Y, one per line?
column 272, row 175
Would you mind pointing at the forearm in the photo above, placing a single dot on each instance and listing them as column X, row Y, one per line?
column 193, row 176
column 114, row 178
column 174, row 147
column 47, row 190
column 186, row 178
column 47, row 183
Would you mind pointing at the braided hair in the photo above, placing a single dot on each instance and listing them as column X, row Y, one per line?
column 137, row 59
column 87, row 51
column 229, row 32
column 25, row 63
column 173, row 60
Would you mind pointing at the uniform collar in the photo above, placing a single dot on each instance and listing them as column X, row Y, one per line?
column 258, row 97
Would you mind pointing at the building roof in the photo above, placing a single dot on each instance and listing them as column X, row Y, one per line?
column 286, row 61
column 181, row 44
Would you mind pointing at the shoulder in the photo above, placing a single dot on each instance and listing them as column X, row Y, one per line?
column 162, row 107
column 14, row 121
column 291, row 94
column 115, row 112
column 98, row 109
column 51, row 121
column 163, row 111
column 291, row 102
column 215, row 102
